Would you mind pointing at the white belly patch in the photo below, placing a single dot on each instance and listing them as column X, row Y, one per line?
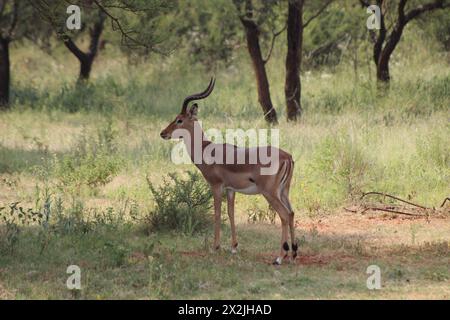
column 253, row 189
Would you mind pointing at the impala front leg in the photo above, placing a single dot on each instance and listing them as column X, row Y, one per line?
column 217, row 194
column 230, row 203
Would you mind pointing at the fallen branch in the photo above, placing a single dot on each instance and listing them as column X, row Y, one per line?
column 393, row 211
column 445, row 200
column 393, row 197
column 416, row 210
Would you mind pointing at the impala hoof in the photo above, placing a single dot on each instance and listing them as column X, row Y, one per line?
column 277, row 261
column 234, row 248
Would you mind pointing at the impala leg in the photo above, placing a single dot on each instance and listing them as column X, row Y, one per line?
column 294, row 244
column 230, row 205
column 284, row 214
column 217, row 195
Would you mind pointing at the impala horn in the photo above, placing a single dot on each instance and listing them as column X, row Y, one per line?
column 198, row 96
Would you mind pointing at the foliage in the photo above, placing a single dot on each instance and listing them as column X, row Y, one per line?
column 92, row 164
column 181, row 205
column 11, row 222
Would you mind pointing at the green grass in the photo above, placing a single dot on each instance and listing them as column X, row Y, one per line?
column 125, row 263
column 87, row 152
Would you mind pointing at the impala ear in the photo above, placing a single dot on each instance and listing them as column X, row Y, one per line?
column 193, row 110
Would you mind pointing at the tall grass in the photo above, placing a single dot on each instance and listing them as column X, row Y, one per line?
column 349, row 140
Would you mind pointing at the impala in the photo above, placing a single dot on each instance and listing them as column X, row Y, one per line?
column 233, row 176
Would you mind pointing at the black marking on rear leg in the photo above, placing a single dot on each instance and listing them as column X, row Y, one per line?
column 294, row 250
column 235, row 245
column 251, row 180
column 217, row 247
column 285, row 246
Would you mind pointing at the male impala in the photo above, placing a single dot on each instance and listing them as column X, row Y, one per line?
column 246, row 176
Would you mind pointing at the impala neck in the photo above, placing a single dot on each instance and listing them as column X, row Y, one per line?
column 196, row 142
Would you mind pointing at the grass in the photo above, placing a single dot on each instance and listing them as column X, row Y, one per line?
column 85, row 155
column 125, row 263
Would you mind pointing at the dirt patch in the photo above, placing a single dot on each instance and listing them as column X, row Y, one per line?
column 192, row 253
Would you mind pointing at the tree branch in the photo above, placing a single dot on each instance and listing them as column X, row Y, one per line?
column 274, row 37
column 414, row 13
column 318, row 13
column 68, row 42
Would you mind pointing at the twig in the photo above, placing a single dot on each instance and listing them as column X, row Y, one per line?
column 274, row 37
column 317, row 13
column 393, row 197
column 445, row 200
column 393, row 211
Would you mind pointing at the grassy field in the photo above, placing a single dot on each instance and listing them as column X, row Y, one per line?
column 80, row 159
column 126, row 263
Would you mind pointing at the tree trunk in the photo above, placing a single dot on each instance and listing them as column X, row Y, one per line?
column 254, row 49
column 85, row 68
column 292, row 88
column 86, row 59
column 4, row 73
column 383, row 74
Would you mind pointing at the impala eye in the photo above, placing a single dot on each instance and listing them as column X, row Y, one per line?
column 179, row 121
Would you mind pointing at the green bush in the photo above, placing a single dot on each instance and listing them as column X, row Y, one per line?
column 93, row 163
column 182, row 205
column 11, row 223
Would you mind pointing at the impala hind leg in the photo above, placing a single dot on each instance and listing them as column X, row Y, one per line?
column 284, row 214
column 287, row 204
column 230, row 205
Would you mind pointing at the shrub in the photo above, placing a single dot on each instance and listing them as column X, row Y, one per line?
column 181, row 204
column 11, row 222
column 92, row 163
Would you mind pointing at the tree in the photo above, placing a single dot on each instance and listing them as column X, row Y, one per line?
column 93, row 20
column 15, row 16
column 387, row 39
column 252, row 34
column 8, row 18
column 209, row 35
column 124, row 16
column 87, row 58
column 295, row 27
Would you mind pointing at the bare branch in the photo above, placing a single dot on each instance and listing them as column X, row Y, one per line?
column 414, row 13
column 68, row 42
column 274, row 37
column 318, row 13
column 393, row 197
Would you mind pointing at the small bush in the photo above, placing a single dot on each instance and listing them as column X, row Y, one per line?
column 181, row 204
column 11, row 222
column 93, row 162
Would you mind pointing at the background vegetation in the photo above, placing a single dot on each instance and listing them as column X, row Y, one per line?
column 84, row 175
